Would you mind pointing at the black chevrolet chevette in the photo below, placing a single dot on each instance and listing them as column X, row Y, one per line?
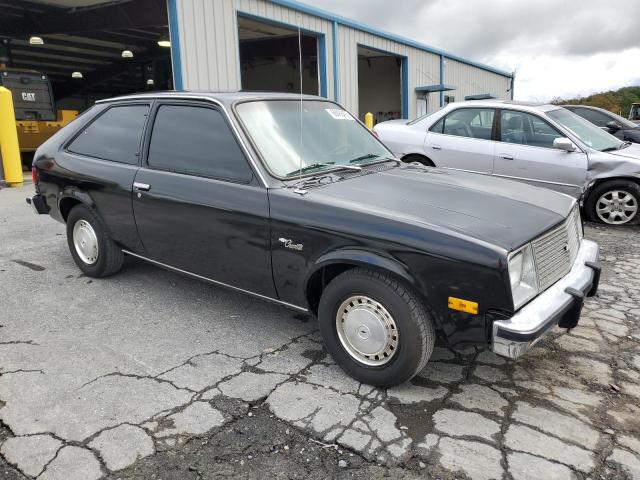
column 290, row 199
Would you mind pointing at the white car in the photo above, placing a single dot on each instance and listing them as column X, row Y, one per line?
column 544, row 145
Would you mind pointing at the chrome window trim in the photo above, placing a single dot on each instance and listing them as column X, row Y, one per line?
column 215, row 282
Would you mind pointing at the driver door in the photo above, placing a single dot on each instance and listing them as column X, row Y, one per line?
column 525, row 152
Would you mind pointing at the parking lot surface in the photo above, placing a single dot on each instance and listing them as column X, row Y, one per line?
column 149, row 374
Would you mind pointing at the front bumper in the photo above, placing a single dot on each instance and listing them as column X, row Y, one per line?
column 560, row 305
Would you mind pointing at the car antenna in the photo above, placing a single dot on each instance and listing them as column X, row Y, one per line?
column 300, row 73
column 300, row 190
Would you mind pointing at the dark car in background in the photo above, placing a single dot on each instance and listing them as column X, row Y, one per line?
column 610, row 122
column 293, row 200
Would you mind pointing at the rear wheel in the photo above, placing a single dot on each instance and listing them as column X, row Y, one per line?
column 375, row 328
column 615, row 202
column 92, row 249
column 418, row 159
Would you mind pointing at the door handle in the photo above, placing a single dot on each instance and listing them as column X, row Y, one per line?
column 506, row 156
column 145, row 187
column 436, row 147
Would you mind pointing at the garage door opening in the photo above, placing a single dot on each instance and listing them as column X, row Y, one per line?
column 60, row 56
column 379, row 84
column 270, row 61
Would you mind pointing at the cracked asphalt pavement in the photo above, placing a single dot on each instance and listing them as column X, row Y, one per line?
column 149, row 374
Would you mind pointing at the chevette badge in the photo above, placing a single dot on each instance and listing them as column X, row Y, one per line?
column 288, row 243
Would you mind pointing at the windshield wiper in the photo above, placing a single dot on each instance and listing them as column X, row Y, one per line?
column 314, row 166
column 610, row 149
column 624, row 145
column 364, row 157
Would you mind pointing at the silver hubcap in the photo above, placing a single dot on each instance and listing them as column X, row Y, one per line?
column 367, row 330
column 85, row 241
column 616, row 207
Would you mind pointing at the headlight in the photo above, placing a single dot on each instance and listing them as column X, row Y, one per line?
column 522, row 274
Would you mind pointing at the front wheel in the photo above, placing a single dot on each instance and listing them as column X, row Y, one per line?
column 375, row 328
column 92, row 249
column 614, row 202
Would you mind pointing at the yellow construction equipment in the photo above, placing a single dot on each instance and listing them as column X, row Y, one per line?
column 9, row 148
column 34, row 108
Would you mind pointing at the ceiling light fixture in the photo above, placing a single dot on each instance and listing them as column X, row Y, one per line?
column 126, row 53
column 150, row 81
column 164, row 42
column 36, row 40
column 76, row 75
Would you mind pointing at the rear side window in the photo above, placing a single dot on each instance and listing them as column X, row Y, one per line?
column 115, row 135
column 196, row 141
column 467, row 122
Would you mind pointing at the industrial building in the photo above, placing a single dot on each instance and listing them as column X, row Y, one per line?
column 253, row 45
column 63, row 55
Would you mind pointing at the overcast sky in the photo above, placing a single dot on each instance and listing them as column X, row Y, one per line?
column 557, row 47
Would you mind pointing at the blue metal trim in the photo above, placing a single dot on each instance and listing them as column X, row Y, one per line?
column 174, row 36
column 405, row 87
column 435, row 88
column 322, row 68
column 480, row 96
column 301, row 7
column 336, row 69
column 513, row 83
column 441, row 80
column 322, row 46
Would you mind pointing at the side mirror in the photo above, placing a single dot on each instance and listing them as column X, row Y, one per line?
column 613, row 126
column 563, row 143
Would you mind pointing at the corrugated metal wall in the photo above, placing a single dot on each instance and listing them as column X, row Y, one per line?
column 470, row 80
column 209, row 44
column 209, row 50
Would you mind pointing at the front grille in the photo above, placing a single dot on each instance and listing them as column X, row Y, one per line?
column 555, row 251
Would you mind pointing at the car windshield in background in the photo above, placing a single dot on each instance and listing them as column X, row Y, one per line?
column 314, row 136
column 590, row 134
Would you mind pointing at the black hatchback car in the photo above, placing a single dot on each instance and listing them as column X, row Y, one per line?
column 291, row 199
column 610, row 122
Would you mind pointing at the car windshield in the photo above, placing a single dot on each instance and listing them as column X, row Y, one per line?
column 622, row 121
column 586, row 131
column 312, row 135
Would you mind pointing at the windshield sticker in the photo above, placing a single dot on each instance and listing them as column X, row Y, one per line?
column 338, row 114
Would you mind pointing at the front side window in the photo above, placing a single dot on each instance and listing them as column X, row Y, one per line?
column 587, row 132
column 525, row 129
column 467, row 122
column 313, row 135
column 196, row 141
column 115, row 135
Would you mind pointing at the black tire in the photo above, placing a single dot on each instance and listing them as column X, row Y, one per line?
column 414, row 158
column 621, row 185
column 109, row 258
column 416, row 333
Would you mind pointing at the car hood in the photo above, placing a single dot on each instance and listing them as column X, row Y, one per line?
column 501, row 212
column 632, row 152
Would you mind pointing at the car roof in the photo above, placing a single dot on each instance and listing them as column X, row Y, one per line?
column 226, row 98
column 527, row 106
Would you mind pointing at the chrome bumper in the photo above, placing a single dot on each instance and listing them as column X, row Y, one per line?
column 560, row 305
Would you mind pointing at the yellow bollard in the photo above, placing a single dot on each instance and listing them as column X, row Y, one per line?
column 9, row 141
column 368, row 120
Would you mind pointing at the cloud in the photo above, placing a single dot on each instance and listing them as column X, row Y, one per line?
column 557, row 47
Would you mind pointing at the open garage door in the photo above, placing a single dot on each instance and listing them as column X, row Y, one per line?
column 59, row 56
column 379, row 84
column 269, row 58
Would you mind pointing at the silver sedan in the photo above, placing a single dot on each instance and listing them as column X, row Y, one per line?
column 544, row 145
